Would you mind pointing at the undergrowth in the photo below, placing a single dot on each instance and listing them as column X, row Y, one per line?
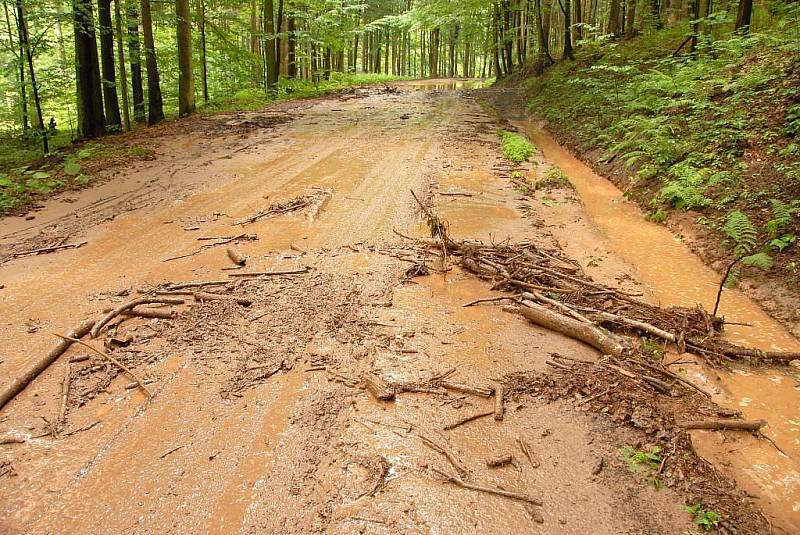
column 516, row 147
column 716, row 134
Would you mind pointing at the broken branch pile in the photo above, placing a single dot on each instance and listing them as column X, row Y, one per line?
column 287, row 206
column 554, row 292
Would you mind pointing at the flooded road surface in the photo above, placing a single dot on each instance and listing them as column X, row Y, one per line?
column 259, row 422
column 676, row 276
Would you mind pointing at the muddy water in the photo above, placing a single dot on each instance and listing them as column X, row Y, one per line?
column 678, row 277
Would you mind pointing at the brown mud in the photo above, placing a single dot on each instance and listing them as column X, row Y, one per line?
column 259, row 422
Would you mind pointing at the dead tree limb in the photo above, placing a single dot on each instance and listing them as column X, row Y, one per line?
column 567, row 326
column 450, row 456
column 499, row 409
column 468, row 419
column 499, row 492
column 269, row 273
column 236, row 257
column 112, row 360
column 128, row 306
column 482, row 391
column 205, row 296
column 377, row 387
column 18, row 384
column 715, row 425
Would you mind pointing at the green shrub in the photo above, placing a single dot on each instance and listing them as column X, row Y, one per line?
column 516, row 147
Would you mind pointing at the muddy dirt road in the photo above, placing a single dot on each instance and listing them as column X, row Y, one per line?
column 258, row 422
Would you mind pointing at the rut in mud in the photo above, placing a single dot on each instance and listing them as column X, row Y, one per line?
column 259, row 421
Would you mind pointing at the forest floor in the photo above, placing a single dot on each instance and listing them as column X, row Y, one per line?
column 258, row 422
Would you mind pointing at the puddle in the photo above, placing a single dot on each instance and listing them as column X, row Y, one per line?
column 676, row 276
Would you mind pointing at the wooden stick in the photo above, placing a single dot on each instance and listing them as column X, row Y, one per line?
column 783, row 356
column 468, row 419
column 50, row 249
column 482, row 391
column 111, row 359
column 499, row 391
column 488, row 300
column 499, row 492
column 205, row 296
column 738, row 425
column 570, row 327
column 502, row 460
column 269, row 273
column 457, row 464
column 62, row 411
column 146, row 313
column 195, row 284
column 18, row 384
column 377, row 387
column 129, row 305
column 236, row 257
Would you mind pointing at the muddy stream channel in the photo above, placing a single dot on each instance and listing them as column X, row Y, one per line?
column 674, row 275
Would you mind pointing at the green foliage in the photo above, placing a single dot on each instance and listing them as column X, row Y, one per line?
column 644, row 463
column 516, row 147
column 741, row 230
column 652, row 348
column 554, row 178
column 706, row 519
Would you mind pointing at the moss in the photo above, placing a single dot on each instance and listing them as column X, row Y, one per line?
column 516, row 147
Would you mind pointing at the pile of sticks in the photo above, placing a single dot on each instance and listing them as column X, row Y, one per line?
column 285, row 207
column 554, row 292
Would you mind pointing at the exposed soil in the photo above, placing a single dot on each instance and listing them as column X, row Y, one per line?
column 259, row 421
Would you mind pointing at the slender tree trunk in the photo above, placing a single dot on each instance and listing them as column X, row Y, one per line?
column 123, row 75
column 269, row 45
column 186, row 103
column 91, row 122
column 23, row 97
column 36, row 100
column 155, row 103
column 135, row 55
column 543, row 51
column 204, row 61
column 110, row 98
column 567, row 10
column 291, row 45
column 278, row 30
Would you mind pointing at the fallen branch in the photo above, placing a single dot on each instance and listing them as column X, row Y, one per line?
column 783, row 356
column 570, row 327
column 49, row 249
column 499, row 492
column 18, row 384
column 716, row 425
column 468, row 419
column 110, row 359
column 455, row 461
column 236, row 257
column 499, row 392
column 482, row 391
column 502, row 460
column 269, row 273
column 128, row 306
column 205, row 296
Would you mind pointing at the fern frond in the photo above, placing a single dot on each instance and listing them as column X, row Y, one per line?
column 732, row 280
column 759, row 260
column 741, row 230
column 782, row 214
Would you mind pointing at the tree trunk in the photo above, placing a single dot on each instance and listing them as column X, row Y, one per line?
column 36, row 100
column 269, row 45
column 278, row 30
column 91, row 121
column 155, row 103
column 613, row 18
column 23, row 97
column 135, row 54
column 543, row 52
column 186, row 75
column 568, row 29
column 630, row 19
column 291, row 66
column 743, row 15
column 123, row 75
column 110, row 98
column 204, row 62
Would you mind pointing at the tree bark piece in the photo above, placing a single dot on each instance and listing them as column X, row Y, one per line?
column 482, row 391
column 205, row 296
column 377, row 387
column 18, row 384
column 130, row 305
column 567, row 326
column 783, row 356
column 499, row 409
column 468, row 419
column 50, row 249
column 502, row 460
column 738, row 425
column 236, row 257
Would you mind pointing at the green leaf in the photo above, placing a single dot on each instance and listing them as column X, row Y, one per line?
column 82, row 180
column 758, row 260
column 72, row 168
column 40, row 175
